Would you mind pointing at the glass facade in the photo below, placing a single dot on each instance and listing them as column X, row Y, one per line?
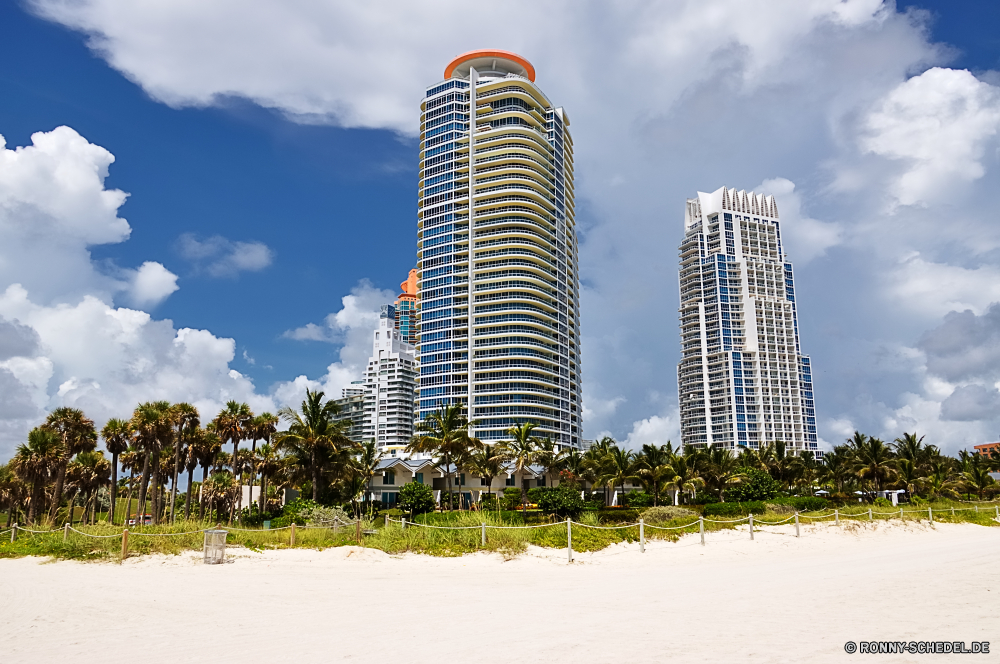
column 498, row 289
column 742, row 380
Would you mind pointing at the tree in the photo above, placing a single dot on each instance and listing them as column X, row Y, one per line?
column 152, row 423
column 12, row 492
column 683, row 476
column 619, row 467
column 312, row 432
column 365, row 464
column 94, row 472
column 445, row 434
column 487, row 463
column 416, row 498
column 653, row 465
column 262, row 428
column 520, row 451
column 836, row 469
column 117, row 435
column 977, row 476
column 190, row 463
column 722, row 470
column 873, row 461
column 232, row 424
column 940, row 480
column 550, row 458
column 35, row 462
column 187, row 421
column 269, row 462
column 207, row 447
column 76, row 433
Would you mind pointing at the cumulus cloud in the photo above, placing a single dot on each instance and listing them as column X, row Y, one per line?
column 655, row 430
column 352, row 327
column 151, row 284
column 222, row 257
column 939, row 125
column 970, row 403
column 965, row 346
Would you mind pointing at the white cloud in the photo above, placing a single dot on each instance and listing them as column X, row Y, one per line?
column 655, row 430
column 151, row 284
column 221, row 257
column 937, row 288
column 352, row 327
column 804, row 238
column 939, row 125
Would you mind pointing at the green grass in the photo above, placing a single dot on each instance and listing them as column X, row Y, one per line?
column 501, row 538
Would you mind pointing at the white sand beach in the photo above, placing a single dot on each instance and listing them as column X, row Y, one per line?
column 774, row 599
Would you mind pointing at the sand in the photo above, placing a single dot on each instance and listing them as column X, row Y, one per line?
column 775, row 599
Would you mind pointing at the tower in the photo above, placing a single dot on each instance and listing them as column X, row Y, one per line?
column 406, row 309
column 742, row 379
column 390, row 386
column 498, row 289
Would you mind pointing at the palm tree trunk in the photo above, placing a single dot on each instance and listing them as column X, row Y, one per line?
column 236, row 461
column 60, row 480
column 201, row 498
column 315, row 474
column 447, row 468
column 177, row 466
column 114, row 485
column 187, row 502
column 156, row 491
column 263, row 493
column 253, row 472
column 141, row 507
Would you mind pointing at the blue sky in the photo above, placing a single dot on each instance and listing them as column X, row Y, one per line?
column 280, row 142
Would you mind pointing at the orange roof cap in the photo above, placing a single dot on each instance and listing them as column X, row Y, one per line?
column 490, row 53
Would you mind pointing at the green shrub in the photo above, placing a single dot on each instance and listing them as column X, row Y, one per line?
column 416, row 498
column 802, row 503
column 618, row 515
column 882, row 502
column 563, row 501
column 666, row 513
column 638, row 499
column 780, row 508
column 756, row 485
column 535, row 494
column 734, row 509
column 511, row 498
column 705, row 497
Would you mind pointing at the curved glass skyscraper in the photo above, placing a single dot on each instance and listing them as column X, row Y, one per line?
column 499, row 292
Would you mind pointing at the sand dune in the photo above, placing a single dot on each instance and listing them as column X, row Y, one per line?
column 775, row 599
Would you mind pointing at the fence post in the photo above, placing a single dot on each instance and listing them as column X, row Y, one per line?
column 358, row 529
column 124, row 546
column 796, row 524
column 65, row 532
column 569, row 539
column 930, row 515
column 13, row 533
column 977, row 509
column 291, row 541
column 997, row 509
column 900, row 513
column 869, row 514
column 701, row 529
column 642, row 536
column 404, row 522
column 484, row 533
column 751, row 526
column 953, row 511
column 386, row 521
column 836, row 517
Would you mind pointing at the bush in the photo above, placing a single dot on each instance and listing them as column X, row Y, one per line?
column 780, row 508
column 562, row 501
column 321, row 515
column 734, row 509
column 666, row 513
column 639, row 499
column 416, row 498
column 802, row 503
column 705, row 497
column 618, row 515
column 535, row 494
column 511, row 498
column 882, row 502
column 756, row 485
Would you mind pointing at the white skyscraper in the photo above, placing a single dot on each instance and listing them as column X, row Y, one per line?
column 742, row 379
column 390, row 386
column 499, row 292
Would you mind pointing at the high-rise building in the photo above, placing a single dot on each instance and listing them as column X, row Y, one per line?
column 497, row 251
column 742, row 379
column 406, row 309
column 390, row 386
column 352, row 407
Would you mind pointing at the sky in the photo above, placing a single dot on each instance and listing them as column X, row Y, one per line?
column 204, row 201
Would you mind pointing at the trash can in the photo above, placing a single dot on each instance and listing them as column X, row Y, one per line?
column 267, row 525
column 215, row 547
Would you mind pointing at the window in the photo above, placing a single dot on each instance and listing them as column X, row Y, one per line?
column 541, row 481
column 420, row 478
column 510, row 481
column 482, row 481
column 388, row 477
column 461, row 480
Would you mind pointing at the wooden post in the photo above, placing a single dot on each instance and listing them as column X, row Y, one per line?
column 930, row 515
column 124, row 546
column 386, row 521
column 701, row 529
column 65, row 532
column 900, row 513
column 751, row 526
column 836, row 517
column 869, row 514
column 357, row 529
column 953, row 511
column 484, row 533
column 569, row 539
column 13, row 533
column 404, row 522
column 292, row 539
column 796, row 524
column 642, row 536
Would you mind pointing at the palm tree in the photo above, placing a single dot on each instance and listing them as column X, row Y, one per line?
column 262, row 428
column 722, row 470
column 117, row 435
column 35, row 462
column 654, row 468
column 12, row 492
column 190, row 463
column 94, row 472
column 152, row 423
column 908, row 475
column 977, row 476
column 836, row 468
column 269, row 462
column 910, row 447
column 521, row 450
column 445, row 434
column 487, row 463
column 232, row 424
column 187, row 420
column 365, row 464
column 873, row 461
column 76, row 433
column 682, row 476
column 940, row 480
column 619, row 468
column 208, row 447
column 313, row 432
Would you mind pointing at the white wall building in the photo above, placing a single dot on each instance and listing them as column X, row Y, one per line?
column 499, row 292
column 742, row 379
column 390, row 386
